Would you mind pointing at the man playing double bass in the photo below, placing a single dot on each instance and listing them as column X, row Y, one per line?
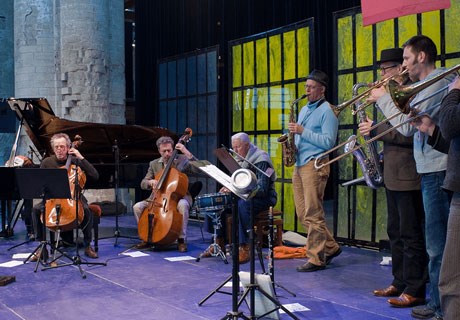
column 62, row 147
column 166, row 148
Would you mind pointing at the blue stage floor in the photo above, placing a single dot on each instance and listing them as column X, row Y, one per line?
column 152, row 287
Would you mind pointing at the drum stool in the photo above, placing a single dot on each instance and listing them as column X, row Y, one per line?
column 261, row 227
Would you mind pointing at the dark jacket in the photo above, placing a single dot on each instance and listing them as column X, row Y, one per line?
column 399, row 169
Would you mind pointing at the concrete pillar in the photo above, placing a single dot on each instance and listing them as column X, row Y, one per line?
column 71, row 52
column 7, row 125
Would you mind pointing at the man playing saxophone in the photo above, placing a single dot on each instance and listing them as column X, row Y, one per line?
column 315, row 132
column 404, row 199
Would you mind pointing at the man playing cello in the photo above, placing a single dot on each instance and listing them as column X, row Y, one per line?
column 63, row 149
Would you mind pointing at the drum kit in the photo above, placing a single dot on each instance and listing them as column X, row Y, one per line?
column 212, row 205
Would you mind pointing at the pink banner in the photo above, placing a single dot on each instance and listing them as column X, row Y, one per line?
column 376, row 11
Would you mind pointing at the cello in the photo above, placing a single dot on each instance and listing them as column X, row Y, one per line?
column 160, row 222
column 62, row 213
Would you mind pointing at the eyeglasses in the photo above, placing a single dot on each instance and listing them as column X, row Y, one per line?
column 384, row 69
column 309, row 87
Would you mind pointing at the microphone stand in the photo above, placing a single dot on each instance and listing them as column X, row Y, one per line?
column 117, row 232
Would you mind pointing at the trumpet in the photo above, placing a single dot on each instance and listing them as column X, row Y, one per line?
column 402, row 96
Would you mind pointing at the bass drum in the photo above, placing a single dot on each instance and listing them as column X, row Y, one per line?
column 213, row 202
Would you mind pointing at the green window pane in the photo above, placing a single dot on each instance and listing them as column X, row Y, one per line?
column 431, row 27
column 261, row 61
column 363, row 43
column 289, row 55
column 236, row 65
column 345, row 43
column 248, row 63
column 274, row 45
column 452, row 17
column 303, row 52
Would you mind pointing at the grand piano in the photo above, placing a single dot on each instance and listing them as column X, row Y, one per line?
column 134, row 145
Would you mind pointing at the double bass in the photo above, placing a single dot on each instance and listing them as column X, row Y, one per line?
column 62, row 213
column 160, row 222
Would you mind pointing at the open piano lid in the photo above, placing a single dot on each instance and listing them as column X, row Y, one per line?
column 135, row 143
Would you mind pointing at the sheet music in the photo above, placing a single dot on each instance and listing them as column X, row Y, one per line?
column 220, row 176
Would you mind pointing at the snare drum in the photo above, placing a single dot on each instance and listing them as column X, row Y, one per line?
column 213, row 201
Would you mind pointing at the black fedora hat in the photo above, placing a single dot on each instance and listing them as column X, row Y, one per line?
column 391, row 55
column 319, row 76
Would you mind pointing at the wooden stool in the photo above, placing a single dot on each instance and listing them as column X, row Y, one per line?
column 97, row 212
column 261, row 227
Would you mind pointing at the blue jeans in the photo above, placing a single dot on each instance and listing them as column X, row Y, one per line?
column 436, row 202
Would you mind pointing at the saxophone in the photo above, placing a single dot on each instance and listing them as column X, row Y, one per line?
column 370, row 166
column 287, row 140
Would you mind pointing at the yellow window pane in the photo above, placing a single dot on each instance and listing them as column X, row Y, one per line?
column 261, row 100
column 385, row 36
column 236, row 65
column 274, row 45
column 452, row 62
column 345, row 43
column 303, row 51
column 237, row 110
column 431, row 27
column 345, row 86
column 248, row 110
column 289, row 55
column 248, row 63
column 261, row 61
column 289, row 207
column 407, row 28
column 452, row 21
column 276, row 107
column 364, row 50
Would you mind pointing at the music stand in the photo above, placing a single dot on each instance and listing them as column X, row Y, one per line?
column 42, row 184
column 225, row 180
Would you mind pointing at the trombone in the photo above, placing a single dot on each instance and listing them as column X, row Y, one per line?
column 401, row 96
column 337, row 109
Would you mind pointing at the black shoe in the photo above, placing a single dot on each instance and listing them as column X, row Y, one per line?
column 423, row 312
column 332, row 256
column 310, row 267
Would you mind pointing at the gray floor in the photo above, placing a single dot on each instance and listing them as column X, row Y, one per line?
column 152, row 287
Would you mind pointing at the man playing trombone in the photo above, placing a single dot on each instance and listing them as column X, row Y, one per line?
column 419, row 58
column 405, row 218
column 315, row 131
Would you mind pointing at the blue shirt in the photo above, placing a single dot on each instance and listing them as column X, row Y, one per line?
column 319, row 134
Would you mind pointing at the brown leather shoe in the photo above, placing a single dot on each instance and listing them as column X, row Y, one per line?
column 391, row 291
column 142, row 245
column 38, row 254
column 243, row 253
column 181, row 245
column 405, row 300
column 89, row 252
